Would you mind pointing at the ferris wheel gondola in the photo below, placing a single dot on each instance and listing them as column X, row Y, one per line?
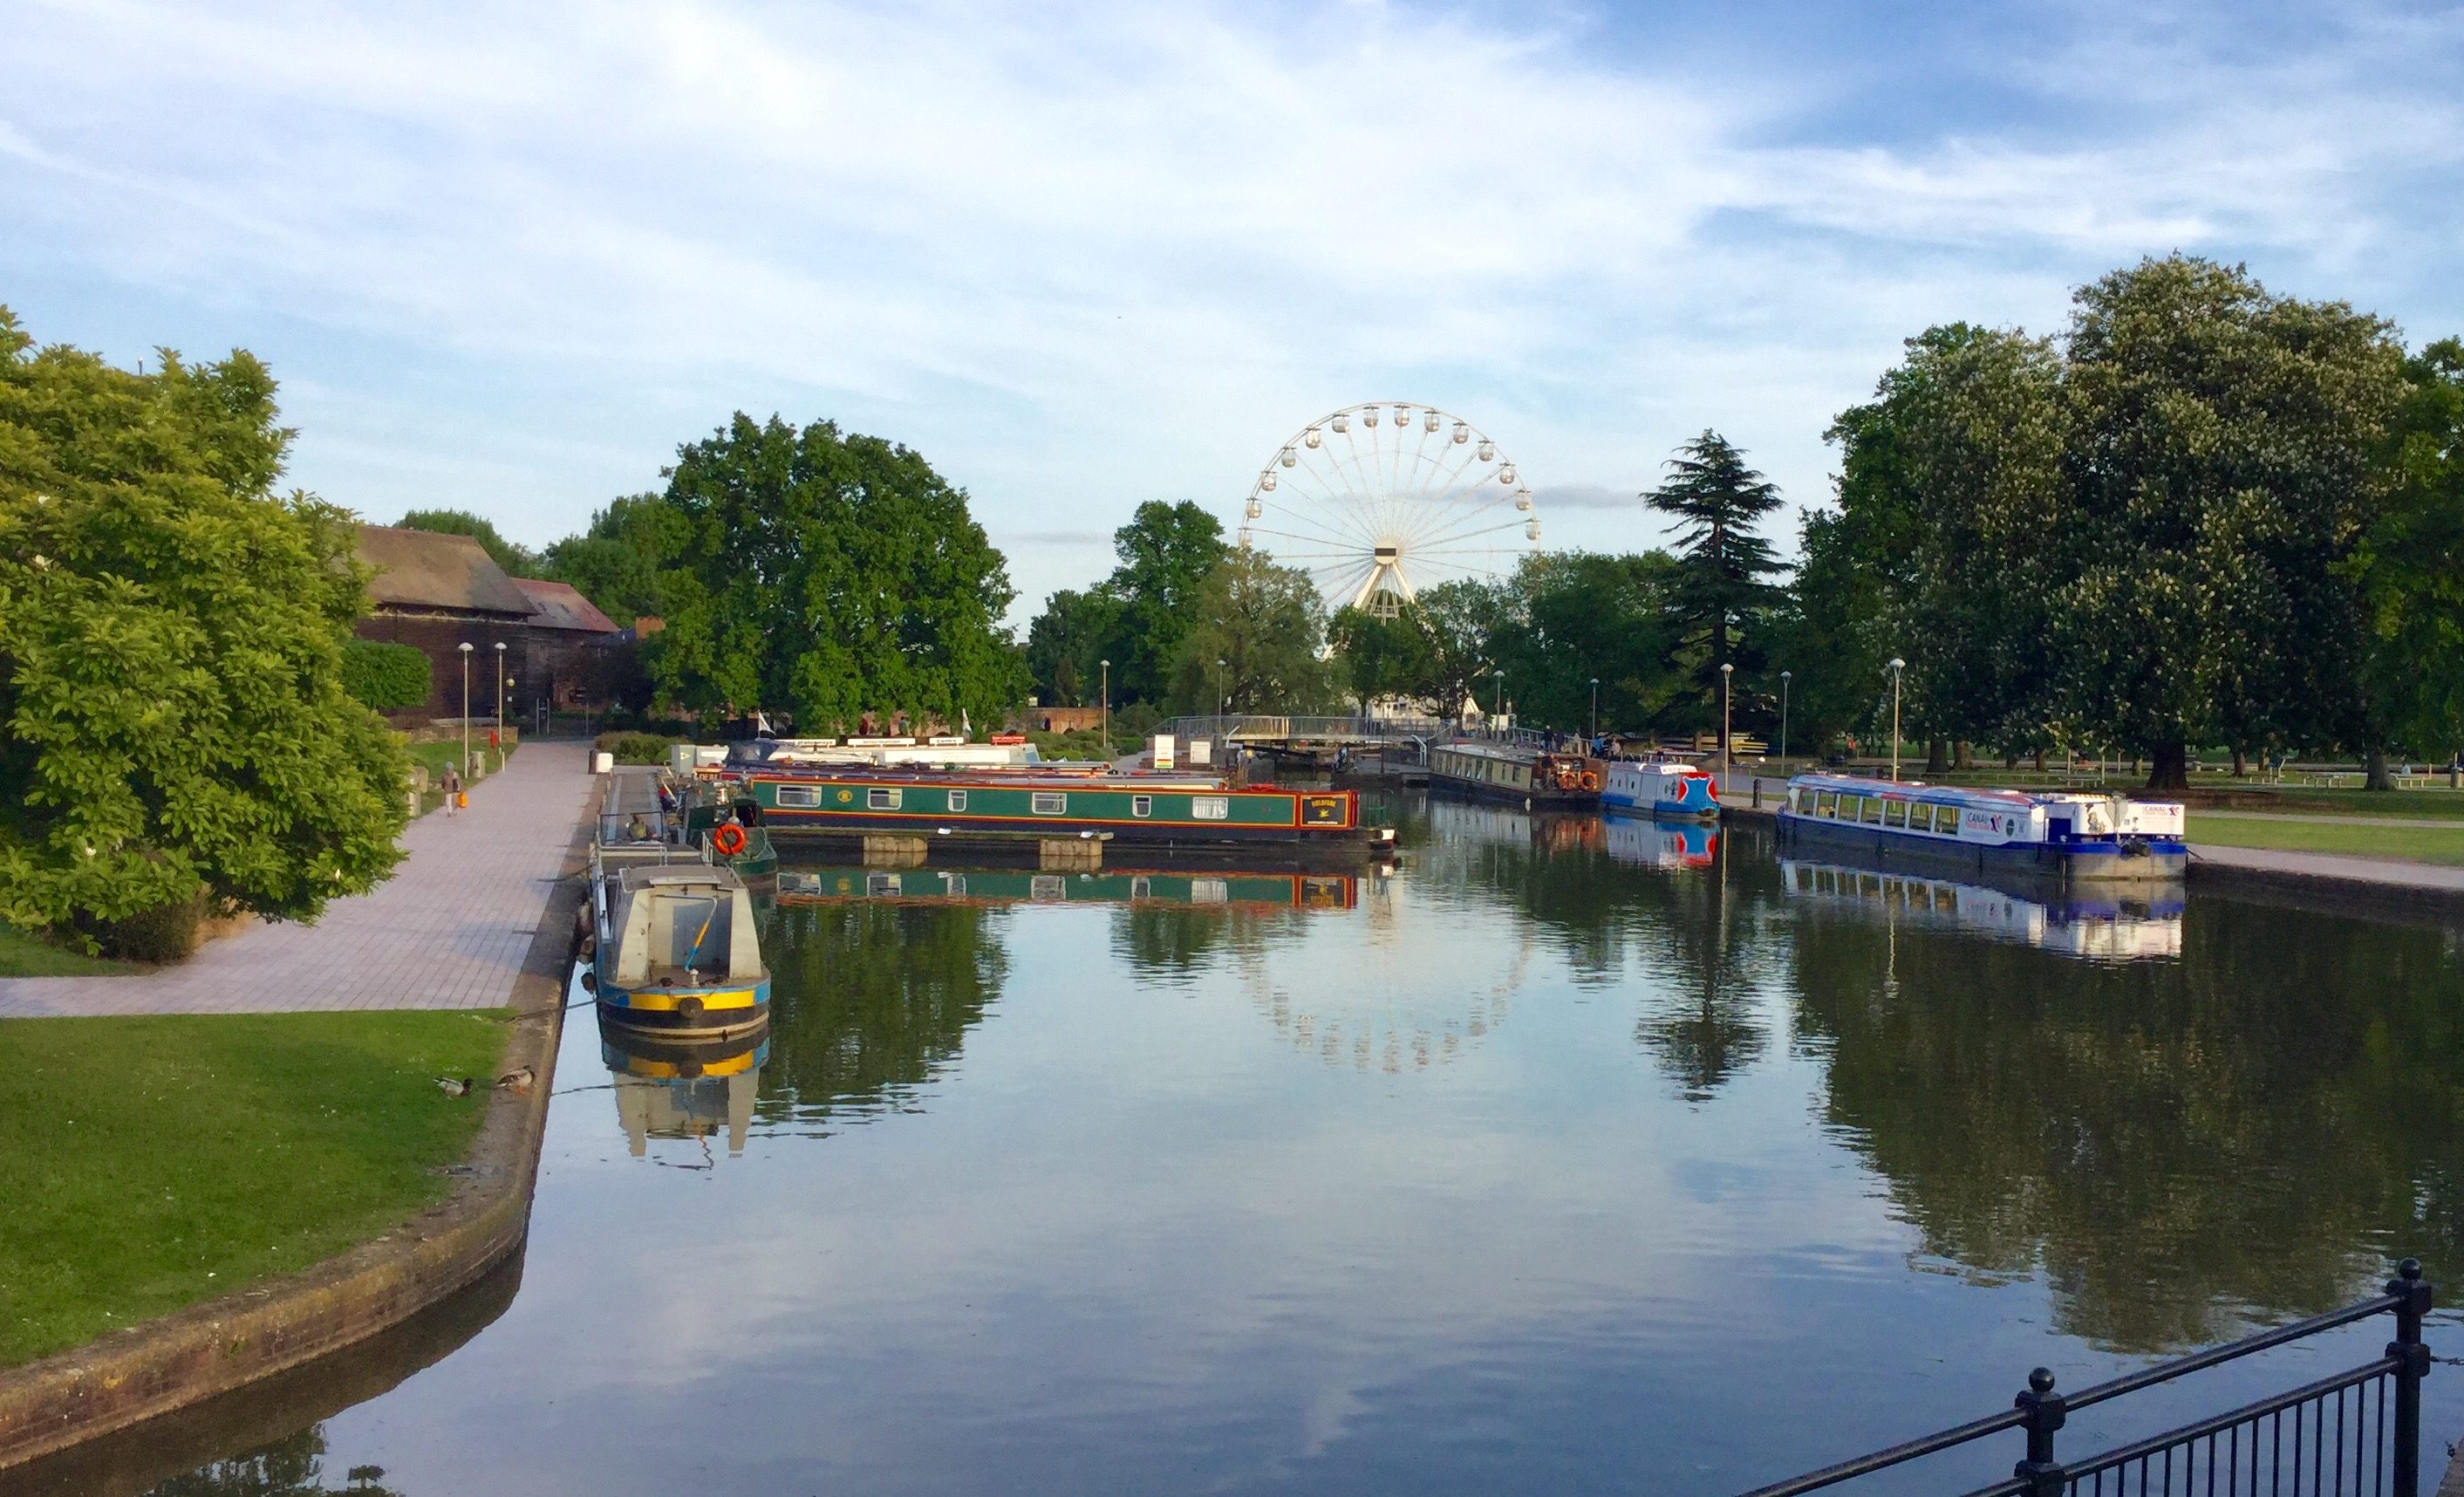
column 1378, row 501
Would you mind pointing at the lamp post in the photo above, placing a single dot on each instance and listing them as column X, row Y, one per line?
column 1500, row 673
column 1726, row 673
column 1108, row 707
column 1783, row 721
column 500, row 696
column 466, row 706
column 1896, row 666
column 1596, row 708
column 1223, row 694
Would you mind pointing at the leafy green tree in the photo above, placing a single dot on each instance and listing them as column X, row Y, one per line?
column 1265, row 624
column 621, row 562
column 173, row 719
column 2410, row 568
column 1167, row 552
column 517, row 560
column 1380, row 657
column 2224, row 461
column 838, row 578
column 1580, row 615
column 1466, row 618
column 1067, row 642
column 1724, row 564
column 384, row 677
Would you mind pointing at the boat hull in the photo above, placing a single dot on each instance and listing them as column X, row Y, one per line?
column 2086, row 861
column 1528, row 798
column 1658, row 810
column 717, row 1012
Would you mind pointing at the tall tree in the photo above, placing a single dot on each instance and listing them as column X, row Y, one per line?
column 517, row 560
column 2410, row 568
column 1381, row 657
column 620, row 562
column 838, row 578
column 1466, row 620
column 1264, row 624
column 1069, row 640
column 2223, row 464
column 173, row 719
column 1167, row 552
column 1723, row 561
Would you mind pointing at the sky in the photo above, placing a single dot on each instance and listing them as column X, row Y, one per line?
column 506, row 258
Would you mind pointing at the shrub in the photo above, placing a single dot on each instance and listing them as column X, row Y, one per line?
column 384, row 677
column 637, row 748
column 162, row 933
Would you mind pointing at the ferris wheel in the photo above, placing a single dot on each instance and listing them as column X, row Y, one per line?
column 1378, row 502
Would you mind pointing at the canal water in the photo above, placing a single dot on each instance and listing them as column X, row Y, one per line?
column 1570, row 1157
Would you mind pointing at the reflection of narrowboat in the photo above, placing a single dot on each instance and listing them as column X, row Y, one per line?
column 1664, row 844
column 1111, row 886
column 1151, row 810
column 2066, row 835
column 667, row 1088
column 674, row 945
column 1679, row 791
column 1531, row 777
column 2096, row 926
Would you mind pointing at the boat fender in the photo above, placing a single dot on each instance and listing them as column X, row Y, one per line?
column 688, row 1010
column 590, row 982
column 728, row 840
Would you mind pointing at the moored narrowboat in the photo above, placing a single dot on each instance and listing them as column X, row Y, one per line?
column 1677, row 791
column 2066, row 835
column 1148, row 810
column 674, row 945
column 1535, row 779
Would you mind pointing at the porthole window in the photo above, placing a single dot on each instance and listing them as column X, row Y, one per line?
column 1141, row 804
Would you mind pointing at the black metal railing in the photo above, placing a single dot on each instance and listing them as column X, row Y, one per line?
column 2355, row 1434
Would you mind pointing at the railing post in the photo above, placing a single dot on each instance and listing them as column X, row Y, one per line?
column 2046, row 1412
column 2412, row 1361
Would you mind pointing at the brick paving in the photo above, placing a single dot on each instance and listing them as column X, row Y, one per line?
column 450, row 930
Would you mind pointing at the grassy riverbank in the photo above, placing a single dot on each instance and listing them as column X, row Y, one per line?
column 150, row 1163
column 2352, row 837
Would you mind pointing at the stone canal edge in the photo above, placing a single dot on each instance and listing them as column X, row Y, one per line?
column 164, row 1365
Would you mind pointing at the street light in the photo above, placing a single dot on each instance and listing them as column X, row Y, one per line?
column 1896, row 666
column 500, row 694
column 466, row 706
column 1726, row 671
column 1500, row 673
column 1108, row 707
column 1222, row 696
column 1783, row 719
column 1596, row 708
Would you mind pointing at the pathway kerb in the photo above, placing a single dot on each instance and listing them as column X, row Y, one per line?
column 166, row 1364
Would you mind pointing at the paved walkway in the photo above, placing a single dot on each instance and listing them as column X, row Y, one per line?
column 450, row 930
column 2389, row 873
column 2435, row 823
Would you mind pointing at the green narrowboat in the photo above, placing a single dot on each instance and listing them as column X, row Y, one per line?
column 1129, row 809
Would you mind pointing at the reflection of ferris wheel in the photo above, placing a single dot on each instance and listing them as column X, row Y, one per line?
column 1379, row 501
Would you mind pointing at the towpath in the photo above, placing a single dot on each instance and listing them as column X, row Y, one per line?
column 450, row 930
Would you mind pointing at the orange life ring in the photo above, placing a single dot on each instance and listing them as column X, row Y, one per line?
column 1591, row 779
column 728, row 840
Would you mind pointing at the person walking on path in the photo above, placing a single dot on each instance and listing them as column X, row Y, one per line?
column 452, row 783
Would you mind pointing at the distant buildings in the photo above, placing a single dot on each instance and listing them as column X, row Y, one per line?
column 436, row 593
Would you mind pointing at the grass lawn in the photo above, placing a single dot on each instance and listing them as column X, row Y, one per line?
column 2357, row 838
column 149, row 1163
column 24, row 956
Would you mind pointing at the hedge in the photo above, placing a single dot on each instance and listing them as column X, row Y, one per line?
column 384, row 677
column 637, row 748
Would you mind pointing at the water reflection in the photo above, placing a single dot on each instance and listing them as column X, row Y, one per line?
column 676, row 1089
column 2178, row 1148
column 293, row 1467
column 2108, row 923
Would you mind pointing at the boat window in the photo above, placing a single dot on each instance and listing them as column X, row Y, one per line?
column 1804, row 801
column 1210, row 807
column 1895, row 813
column 1826, row 804
column 799, row 795
column 955, row 885
column 957, row 799
column 1141, row 888
column 881, row 798
column 879, row 884
column 1141, row 804
column 1209, row 891
column 1050, row 802
column 1849, row 806
column 1874, row 809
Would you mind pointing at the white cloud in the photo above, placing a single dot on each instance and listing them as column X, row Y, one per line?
column 1090, row 256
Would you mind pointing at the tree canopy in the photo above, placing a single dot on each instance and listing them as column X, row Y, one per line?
column 1724, row 563
column 516, row 560
column 837, row 578
column 1264, row 624
column 173, row 717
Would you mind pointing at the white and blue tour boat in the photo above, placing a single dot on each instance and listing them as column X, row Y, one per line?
column 1679, row 791
column 2066, row 835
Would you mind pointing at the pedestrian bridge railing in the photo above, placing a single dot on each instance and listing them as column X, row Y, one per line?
column 2356, row 1432
column 1266, row 728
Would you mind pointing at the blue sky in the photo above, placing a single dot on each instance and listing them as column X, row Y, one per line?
column 505, row 258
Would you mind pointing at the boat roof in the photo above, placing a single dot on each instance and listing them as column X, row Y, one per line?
column 1910, row 790
column 1018, row 776
column 680, row 875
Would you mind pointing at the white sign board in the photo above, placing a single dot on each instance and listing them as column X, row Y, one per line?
column 1163, row 751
